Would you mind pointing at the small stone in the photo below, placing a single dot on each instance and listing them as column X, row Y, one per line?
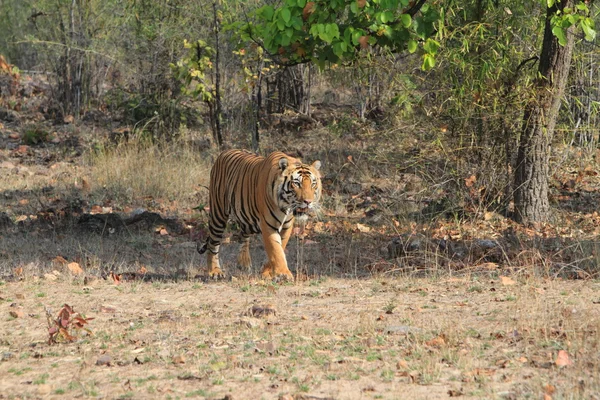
column 104, row 359
column 50, row 277
column 7, row 355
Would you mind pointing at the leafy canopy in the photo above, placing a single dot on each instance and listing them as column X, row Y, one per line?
column 332, row 31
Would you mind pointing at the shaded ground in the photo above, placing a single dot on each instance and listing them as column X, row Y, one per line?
column 479, row 337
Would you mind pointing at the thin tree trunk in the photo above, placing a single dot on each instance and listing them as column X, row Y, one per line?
column 532, row 169
column 218, row 112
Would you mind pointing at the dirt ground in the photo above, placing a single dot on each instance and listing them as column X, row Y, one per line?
column 391, row 338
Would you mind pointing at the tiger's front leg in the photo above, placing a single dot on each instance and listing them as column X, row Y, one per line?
column 277, row 266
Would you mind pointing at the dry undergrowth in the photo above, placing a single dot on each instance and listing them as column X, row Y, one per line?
column 475, row 337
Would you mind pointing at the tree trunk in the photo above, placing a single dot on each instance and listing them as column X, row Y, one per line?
column 539, row 119
column 218, row 113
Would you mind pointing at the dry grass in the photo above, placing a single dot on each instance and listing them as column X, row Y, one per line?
column 329, row 338
column 134, row 170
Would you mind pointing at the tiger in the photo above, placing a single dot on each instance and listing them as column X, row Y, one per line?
column 262, row 195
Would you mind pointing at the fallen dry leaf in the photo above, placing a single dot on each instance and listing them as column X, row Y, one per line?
column 470, row 181
column 75, row 268
column 506, row 281
column 562, row 359
column 363, row 228
column 178, row 359
column 438, row 341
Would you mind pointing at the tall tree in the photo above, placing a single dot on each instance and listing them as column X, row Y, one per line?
column 539, row 119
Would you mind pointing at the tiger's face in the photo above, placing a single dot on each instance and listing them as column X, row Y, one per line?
column 300, row 187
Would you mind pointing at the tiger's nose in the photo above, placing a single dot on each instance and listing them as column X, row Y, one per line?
column 308, row 202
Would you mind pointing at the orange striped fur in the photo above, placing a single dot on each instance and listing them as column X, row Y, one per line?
column 263, row 195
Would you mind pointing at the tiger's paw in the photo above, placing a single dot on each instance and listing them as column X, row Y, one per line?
column 216, row 274
column 277, row 275
column 244, row 260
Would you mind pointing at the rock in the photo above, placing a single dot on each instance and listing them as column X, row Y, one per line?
column 50, row 277
column 7, row 355
column 405, row 244
column 104, row 360
column 262, row 311
column 402, row 329
column 251, row 322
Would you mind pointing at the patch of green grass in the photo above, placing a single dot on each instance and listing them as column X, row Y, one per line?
column 41, row 379
column 60, row 391
column 19, row 371
column 475, row 289
column 41, row 294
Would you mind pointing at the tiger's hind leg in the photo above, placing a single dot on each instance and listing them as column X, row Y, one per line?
column 243, row 258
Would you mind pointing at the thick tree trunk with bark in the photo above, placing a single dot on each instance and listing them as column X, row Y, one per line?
column 532, row 169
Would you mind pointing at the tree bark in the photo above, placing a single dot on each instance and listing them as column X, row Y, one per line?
column 218, row 112
column 539, row 119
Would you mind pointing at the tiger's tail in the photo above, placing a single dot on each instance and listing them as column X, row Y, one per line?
column 202, row 249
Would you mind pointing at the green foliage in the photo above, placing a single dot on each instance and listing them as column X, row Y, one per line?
column 332, row 31
column 35, row 134
column 191, row 70
column 567, row 17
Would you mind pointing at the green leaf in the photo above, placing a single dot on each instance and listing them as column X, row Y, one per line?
column 428, row 62
column 412, row 46
column 354, row 7
column 301, row 3
column 431, row 46
column 406, row 20
column 586, row 26
column 267, row 12
column 560, row 35
column 550, row 3
column 387, row 16
column 286, row 14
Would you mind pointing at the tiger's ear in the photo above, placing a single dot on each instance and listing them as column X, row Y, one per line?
column 316, row 165
column 283, row 163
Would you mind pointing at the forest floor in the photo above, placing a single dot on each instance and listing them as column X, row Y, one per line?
column 329, row 338
column 407, row 284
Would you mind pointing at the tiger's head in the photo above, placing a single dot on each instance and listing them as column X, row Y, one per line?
column 300, row 187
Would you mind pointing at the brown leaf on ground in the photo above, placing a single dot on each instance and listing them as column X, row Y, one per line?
column 178, row 359
column 506, row 281
column 470, row 181
column 437, row 342
column 562, row 359
column 363, row 228
column 105, row 308
column 116, row 278
column 18, row 271
column 16, row 313
column 75, row 268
